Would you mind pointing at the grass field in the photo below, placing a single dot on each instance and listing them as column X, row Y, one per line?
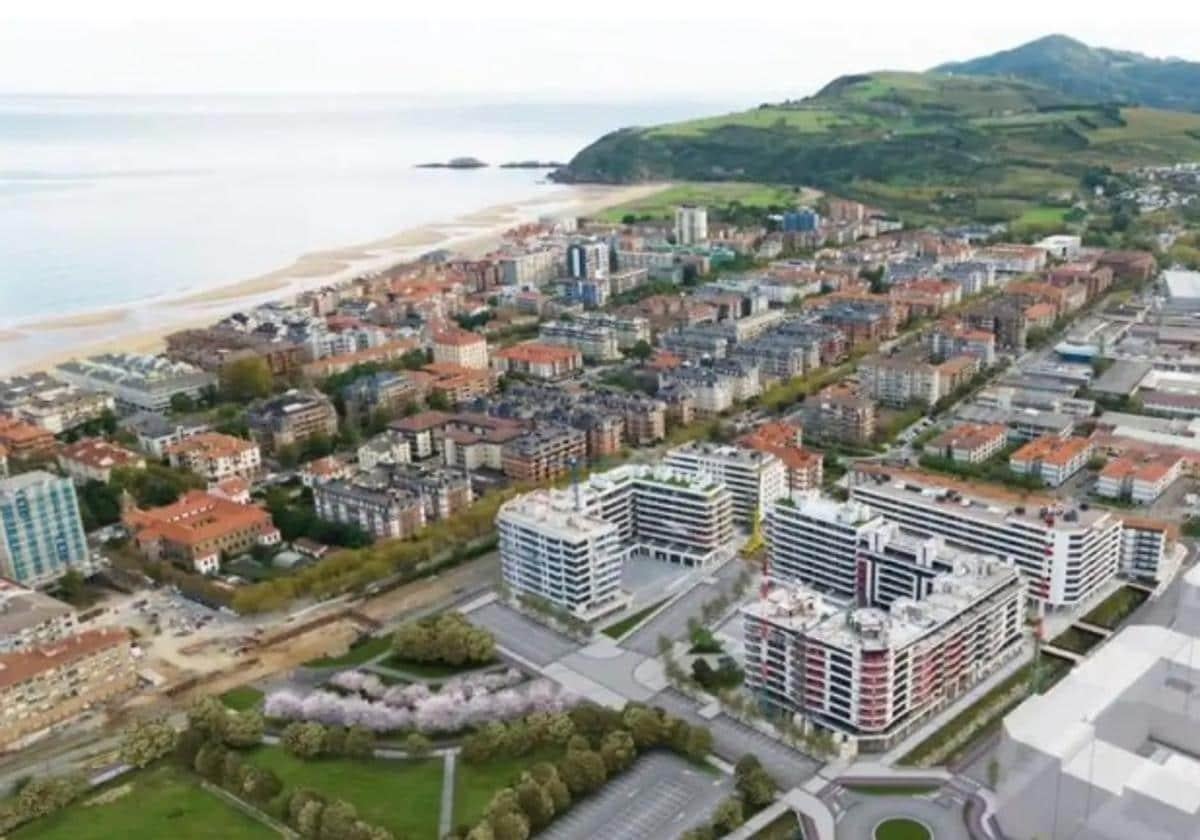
column 891, row 790
column 805, row 121
column 358, row 654
column 1043, row 215
column 430, row 670
column 476, row 783
column 662, row 204
column 901, row 828
column 242, row 698
column 161, row 802
column 401, row 796
column 785, row 827
column 1116, row 607
column 620, row 628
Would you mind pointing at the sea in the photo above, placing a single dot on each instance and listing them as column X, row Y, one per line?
column 107, row 201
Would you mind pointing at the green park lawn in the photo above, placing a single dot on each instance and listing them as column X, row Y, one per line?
column 662, row 204
column 475, row 784
column 160, row 802
column 242, row 698
column 900, row 828
column 358, row 654
column 430, row 670
column 619, row 628
column 402, row 796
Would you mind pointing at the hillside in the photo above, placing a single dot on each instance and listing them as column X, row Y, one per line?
column 1093, row 73
column 981, row 147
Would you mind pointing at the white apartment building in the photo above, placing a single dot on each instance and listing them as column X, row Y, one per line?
column 1140, row 480
column 754, row 479
column 137, row 383
column 1065, row 554
column 874, row 674
column 629, row 330
column 462, row 348
column 29, row 618
column 691, row 224
column 595, row 342
column 1147, row 551
column 530, row 268
column 215, row 457
column 551, row 550
column 815, row 540
column 1052, row 459
column 899, row 381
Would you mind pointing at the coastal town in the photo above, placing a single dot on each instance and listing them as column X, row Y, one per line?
column 802, row 503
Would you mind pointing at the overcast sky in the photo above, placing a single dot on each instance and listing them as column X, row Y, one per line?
column 601, row 49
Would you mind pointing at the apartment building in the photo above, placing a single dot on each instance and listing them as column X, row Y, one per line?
column 41, row 533
column 900, row 380
column 94, row 459
column 423, row 431
column 55, row 406
column 545, row 453
column 587, row 260
column 549, row 549
column 29, row 618
column 691, row 224
column 1004, row 318
column 155, row 433
column 372, row 504
column 1066, row 554
column 548, row 362
column 595, row 341
column 215, row 457
column 292, row 418
column 645, row 417
column 839, row 413
column 383, row 392
column 873, row 674
column 460, row 347
column 953, row 338
column 1139, row 479
column 531, row 268
column 777, row 356
column 3, row 462
column 198, row 529
column 755, row 479
column 805, row 467
column 1051, row 458
column 443, row 492
column 717, row 387
column 969, row 443
column 44, row 686
column 815, row 540
column 387, row 448
column 1150, row 550
column 24, row 440
column 137, row 383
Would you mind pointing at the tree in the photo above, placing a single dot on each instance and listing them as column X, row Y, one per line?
column 46, row 795
column 334, row 741
column 510, row 826
column 618, row 750
column 243, row 380
column 208, row 715
column 303, row 740
column 360, row 742
column 210, row 761
column 753, row 783
column 438, row 401
column 338, row 820
column 147, row 741
column 261, row 785
column 182, row 403
column 698, row 743
column 644, row 725
column 483, row 831
column 728, row 816
column 155, row 485
column 308, row 821
column 231, row 770
column 583, row 771
column 244, row 729
column 536, row 803
column 641, row 351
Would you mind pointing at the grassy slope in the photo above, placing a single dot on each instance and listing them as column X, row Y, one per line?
column 916, row 143
column 662, row 204
column 402, row 796
column 163, row 802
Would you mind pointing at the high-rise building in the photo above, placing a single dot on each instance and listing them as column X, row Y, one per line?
column 587, row 260
column 754, row 479
column 815, row 540
column 691, row 224
column 41, row 533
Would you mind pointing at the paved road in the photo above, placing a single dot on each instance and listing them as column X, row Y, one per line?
column 672, row 621
column 942, row 813
column 523, row 636
column 661, row 796
column 732, row 740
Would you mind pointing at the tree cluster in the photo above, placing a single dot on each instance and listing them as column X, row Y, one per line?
column 446, row 638
column 313, row 815
column 38, row 798
column 310, row 740
column 754, row 789
column 155, row 485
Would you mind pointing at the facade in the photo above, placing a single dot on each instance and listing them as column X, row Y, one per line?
column 900, row 380
column 547, row 452
column 386, row 392
column 44, row 686
column 629, row 329
column 291, row 419
column 805, row 467
column 94, row 459
column 28, row 618
column 41, row 533
column 949, row 339
column 460, row 347
column 839, row 413
column 1051, row 458
column 530, row 268
column 1066, row 555
column 551, row 550
column 1141, row 480
column 596, row 342
column 55, row 406
column 587, row 260
column 156, row 433
column 137, row 383
column 691, row 225
column 215, row 457
column 540, row 361
column 423, row 431
column 380, row 510
column 815, row 541
column 873, row 674
column 754, row 479
column 24, row 440
column 195, row 531
column 1150, row 550
column 970, row 443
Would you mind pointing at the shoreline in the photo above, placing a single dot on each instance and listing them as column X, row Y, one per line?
column 141, row 327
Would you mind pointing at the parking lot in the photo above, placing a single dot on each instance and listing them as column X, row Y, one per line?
column 522, row 636
column 661, row 796
column 732, row 740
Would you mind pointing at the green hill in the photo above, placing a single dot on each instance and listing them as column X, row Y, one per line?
column 914, row 142
column 1093, row 73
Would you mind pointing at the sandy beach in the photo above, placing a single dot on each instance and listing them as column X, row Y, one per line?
column 142, row 327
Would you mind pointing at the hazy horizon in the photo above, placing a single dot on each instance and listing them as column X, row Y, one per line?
column 530, row 51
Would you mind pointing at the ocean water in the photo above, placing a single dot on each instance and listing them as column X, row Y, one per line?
column 106, row 201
